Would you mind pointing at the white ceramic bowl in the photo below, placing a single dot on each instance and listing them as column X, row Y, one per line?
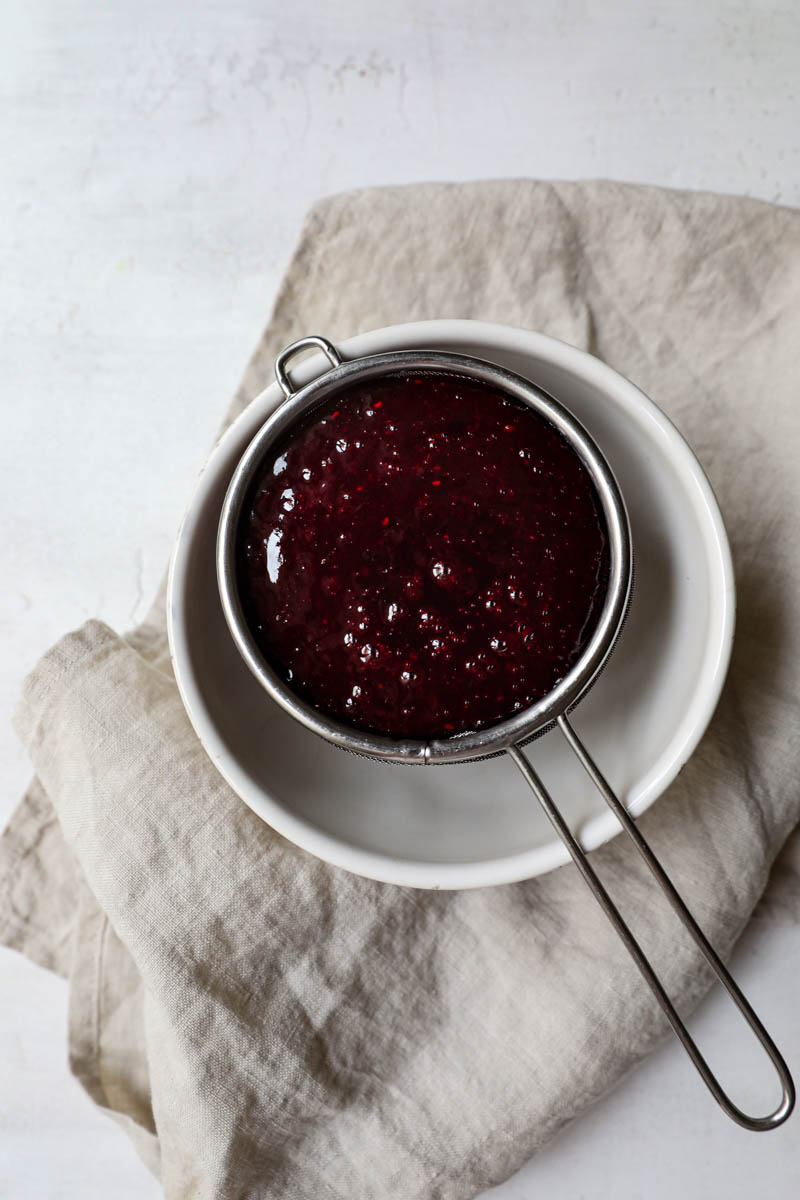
column 477, row 824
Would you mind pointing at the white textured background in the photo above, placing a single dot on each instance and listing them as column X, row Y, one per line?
column 156, row 160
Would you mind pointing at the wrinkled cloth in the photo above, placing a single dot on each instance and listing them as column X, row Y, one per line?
column 265, row 1025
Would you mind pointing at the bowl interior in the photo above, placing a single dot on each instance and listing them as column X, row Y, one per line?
column 476, row 823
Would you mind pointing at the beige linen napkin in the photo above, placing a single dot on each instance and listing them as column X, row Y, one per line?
column 268, row 1026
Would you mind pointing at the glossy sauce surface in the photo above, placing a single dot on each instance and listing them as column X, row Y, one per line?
column 423, row 557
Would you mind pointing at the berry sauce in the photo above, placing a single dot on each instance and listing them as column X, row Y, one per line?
column 423, row 557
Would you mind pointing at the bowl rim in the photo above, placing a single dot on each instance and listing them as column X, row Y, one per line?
column 540, row 859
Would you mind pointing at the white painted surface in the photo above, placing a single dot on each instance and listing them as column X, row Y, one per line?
column 157, row 157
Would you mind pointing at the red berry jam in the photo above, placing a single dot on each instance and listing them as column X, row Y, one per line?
column 423, row 557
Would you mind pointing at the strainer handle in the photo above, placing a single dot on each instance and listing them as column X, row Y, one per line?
column 784, row 1109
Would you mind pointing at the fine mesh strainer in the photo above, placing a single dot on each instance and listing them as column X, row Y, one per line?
column 510, row 735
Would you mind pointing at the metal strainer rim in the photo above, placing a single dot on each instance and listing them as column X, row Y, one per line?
column 496, row 738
